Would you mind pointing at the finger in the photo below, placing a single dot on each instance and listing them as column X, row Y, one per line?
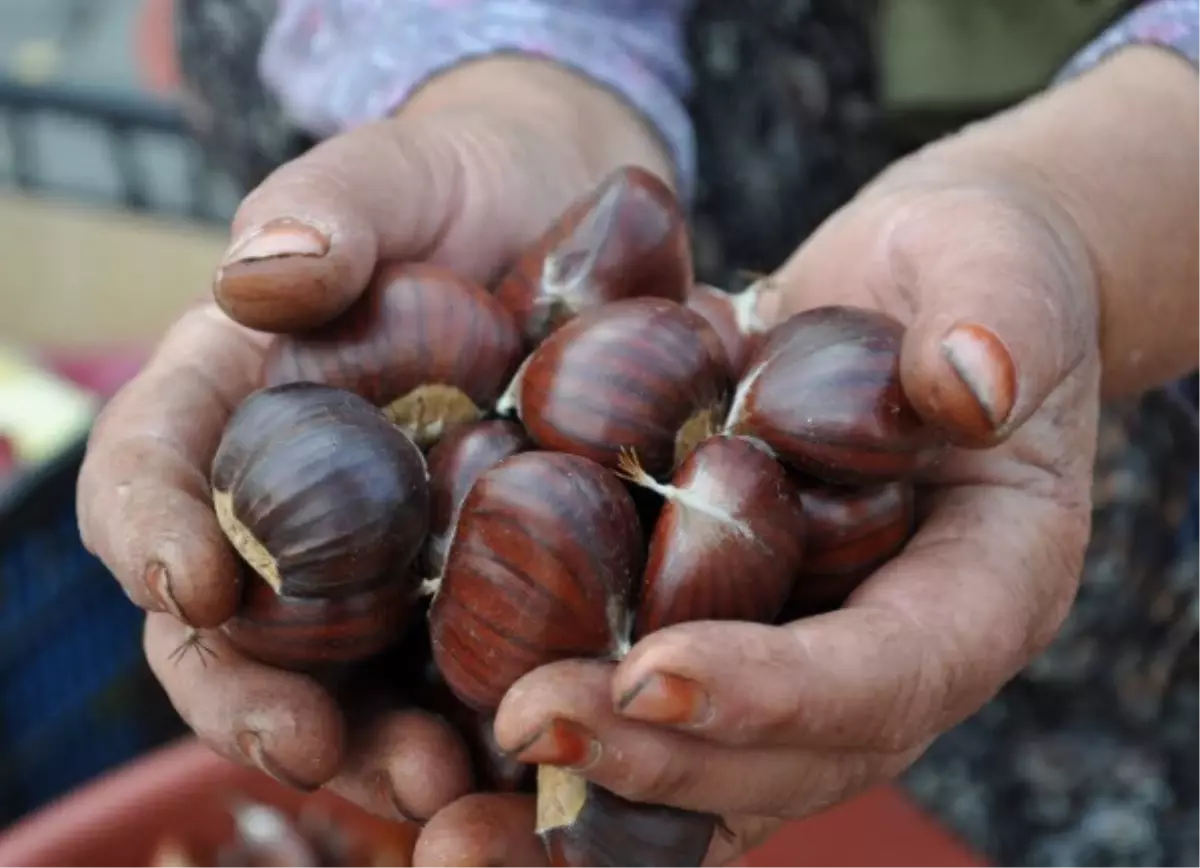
column 143, row 494
column 404, row 765
column 923, row 643
column 561, row 715
column 283, row 723
column 307, row 239
column 482, row 829
column 996, row 293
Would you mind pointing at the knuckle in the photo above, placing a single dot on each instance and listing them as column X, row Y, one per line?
column 661, row 780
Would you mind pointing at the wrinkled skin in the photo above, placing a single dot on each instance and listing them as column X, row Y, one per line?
column 796, row 716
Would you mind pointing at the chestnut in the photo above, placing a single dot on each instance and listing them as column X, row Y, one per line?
column 850, row 533
column 823, row 391
column 540, row 568
column 729, row 542
column 583, row 824
column 454, row 464
column 734, row 317
column 645, row 374
column 429, row 346
column 308, row 633
column 627, row 239
column 317, row 491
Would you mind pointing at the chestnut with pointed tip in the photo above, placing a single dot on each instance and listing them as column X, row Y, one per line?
column 823, row 391
column 735, row 318
column 583, row 824
column 454, row 465
column 729, row 542
column 430, row 347
column 626, row 239
column 645, row 374
column 317, row 491
column 540, row 568
column 850, row 533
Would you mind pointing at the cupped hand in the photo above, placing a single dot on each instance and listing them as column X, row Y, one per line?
column 459, row 177
column 764, row 724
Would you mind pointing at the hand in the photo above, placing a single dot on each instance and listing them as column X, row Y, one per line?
column 470, row 171
column 768, row 723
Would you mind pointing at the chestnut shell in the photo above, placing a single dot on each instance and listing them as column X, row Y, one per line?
column 627, row 239
column 427, row 345
column 317, row 491
column 729, row 541
column 541, row 568
column 454, row 464
column 824, row 392
column 850, row 533
column 609, row 831
column 304, row 633
column 644, row 374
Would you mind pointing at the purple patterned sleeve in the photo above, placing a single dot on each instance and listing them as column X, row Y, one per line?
column 1175, row 26
column 335, row 64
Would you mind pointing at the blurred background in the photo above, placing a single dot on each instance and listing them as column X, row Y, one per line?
column 112, row 216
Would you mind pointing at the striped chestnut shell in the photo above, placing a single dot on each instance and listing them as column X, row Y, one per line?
column 824, row 392
column 541, row 568
column 430, row 347
column 645, row 374
column 626, row 239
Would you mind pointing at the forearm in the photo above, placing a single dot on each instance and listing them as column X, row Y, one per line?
column 1116, row 151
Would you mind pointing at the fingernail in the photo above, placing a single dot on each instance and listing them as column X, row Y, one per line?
column 386, row 791
column 667, row 699
column 251, row 746
column 561, row 743
column 158, row 580
column 276, row 238
column 985, row 368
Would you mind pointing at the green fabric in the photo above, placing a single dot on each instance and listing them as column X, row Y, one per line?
column 939, row 54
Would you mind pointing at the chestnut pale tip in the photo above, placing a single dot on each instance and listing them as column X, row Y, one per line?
column 428, row 411
column 561, row 797
column 252, row 551
column 740, row 395
column 700, row 496
column 509, row 404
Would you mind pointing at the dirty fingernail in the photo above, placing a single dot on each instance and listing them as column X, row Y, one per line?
column 667, row 699
column 158, row 580
column 561, row 743
column 251, row 746
column 277, row 238
column 985, row 367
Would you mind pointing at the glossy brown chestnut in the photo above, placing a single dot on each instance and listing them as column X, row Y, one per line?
column 729, row 542
column 454, row 464
column 582, row 824
column 429, row 346
column 645, row 374
column 823, row 391
column 303, row 633
column 734, row 317
column 317, row 491
column 541, row 567
column 627, row 239
column 850, row 533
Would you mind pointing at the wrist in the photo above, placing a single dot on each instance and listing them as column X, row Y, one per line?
column 1112, row 155
column 596, row 129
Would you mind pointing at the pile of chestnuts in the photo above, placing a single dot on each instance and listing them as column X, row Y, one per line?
column 595, row 450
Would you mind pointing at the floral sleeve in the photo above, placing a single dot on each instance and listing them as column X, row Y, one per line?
column 335, row 64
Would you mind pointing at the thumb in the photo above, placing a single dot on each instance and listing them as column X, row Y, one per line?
column 995, row 288
column 306, row 240
column 1005, row 310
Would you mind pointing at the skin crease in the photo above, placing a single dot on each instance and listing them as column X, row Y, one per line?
column 982, row 228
